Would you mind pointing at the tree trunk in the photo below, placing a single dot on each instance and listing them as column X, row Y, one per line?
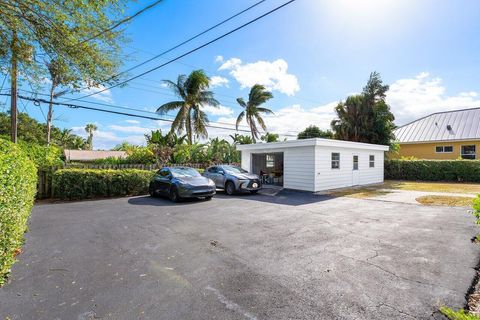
column 13, row 90
column 50, row 113
column 188, row 124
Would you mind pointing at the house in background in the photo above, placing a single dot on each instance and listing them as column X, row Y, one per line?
column 442, row 135
column 91, row 155
column 315, row 164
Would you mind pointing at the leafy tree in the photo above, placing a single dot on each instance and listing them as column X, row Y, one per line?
column 193, row 93
column 252, row 110
column 270, row 137
column 72, row 41
column 90, row 128
column 241, row 139
column 366, row 117
column 314, row 132
column 32, row 131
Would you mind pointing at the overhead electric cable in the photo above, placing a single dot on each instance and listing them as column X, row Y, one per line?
column 189, row 52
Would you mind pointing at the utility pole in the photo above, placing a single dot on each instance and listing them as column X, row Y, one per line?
column 13, row 90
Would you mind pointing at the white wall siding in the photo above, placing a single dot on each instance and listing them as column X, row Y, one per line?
column 299, row 168
column 328, row 178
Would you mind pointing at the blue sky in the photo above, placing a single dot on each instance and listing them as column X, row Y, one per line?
column 311, row 54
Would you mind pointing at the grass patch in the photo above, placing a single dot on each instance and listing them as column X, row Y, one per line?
column 458, row 315
column 450, row 187
column 450, row 201
column 359, row 193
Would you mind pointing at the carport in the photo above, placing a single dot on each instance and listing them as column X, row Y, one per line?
column 269, row 167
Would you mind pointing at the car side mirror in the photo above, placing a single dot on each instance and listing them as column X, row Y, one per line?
column 222, row 172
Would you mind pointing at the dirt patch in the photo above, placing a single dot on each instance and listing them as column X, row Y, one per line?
column 448, row 187
column 449, row 201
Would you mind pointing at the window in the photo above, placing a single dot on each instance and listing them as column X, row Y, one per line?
column 270, row 158
column 469, row 152
column 444, row 149
column 213, row 170
column 372, row 161
column 335, row 160
column 355, row 162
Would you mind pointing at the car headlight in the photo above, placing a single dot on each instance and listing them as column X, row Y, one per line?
column 210, row 182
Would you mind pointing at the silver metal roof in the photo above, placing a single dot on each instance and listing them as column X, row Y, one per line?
column 442, row 126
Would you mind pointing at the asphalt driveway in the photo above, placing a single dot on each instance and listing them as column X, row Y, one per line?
column 290, row 256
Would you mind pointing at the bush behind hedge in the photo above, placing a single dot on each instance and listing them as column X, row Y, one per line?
column 433, row 170
column 76, row 184
column 18, row 178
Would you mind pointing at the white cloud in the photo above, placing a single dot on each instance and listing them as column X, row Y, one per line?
column 105, row 140
column 132, row 121
column 104, row 96
column 130, row 129
column 218, row 111
column 217, row 81
column 422, row 95
column 219, row 59
column 281, row 122
column 272, row 75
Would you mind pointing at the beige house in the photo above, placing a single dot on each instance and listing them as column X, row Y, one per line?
column 91, row 155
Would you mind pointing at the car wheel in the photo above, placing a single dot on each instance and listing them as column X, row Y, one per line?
column 229, row 188
column 174, row 197
column 151, row 191
column 208, row 198
column 254, row 191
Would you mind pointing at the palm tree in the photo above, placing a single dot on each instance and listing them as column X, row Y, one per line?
column 66, row 138
column 252, row 113
column 90, row 128
column 193, row 93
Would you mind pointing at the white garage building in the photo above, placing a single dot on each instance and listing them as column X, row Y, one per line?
column 315, row 164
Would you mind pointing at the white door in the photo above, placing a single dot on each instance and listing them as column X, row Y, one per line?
column 354, row 169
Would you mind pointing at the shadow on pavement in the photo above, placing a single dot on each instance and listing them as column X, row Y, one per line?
column 161, row 202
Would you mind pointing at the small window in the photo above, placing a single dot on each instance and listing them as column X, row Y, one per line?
column 469, row 152
column 372, row 161
column 355, row 162
column 270, row 161
column 335, row 160
column 213, row 170
column 444, row 149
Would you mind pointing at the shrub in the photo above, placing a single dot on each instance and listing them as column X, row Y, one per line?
column 75, row 184
column 433, row 170
column 18, row 178
column 44, row 157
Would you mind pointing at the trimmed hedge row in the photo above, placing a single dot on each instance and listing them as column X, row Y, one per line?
column 433, row 170
column 18, row 179
column 76, row 184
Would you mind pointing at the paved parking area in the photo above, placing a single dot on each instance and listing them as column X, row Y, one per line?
column 289, row 256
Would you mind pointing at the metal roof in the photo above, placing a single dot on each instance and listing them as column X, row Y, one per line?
column 442, row 126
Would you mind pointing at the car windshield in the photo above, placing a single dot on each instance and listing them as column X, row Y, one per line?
column 234, row 169
column 184, row 172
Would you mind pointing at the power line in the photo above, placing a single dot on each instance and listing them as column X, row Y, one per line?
column 186, row 41
column 122, row 107
column 191, row 51
column 38, row 101
column 119, row 23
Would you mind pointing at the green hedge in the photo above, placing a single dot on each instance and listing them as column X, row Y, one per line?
column 433, row 170
column 75, row 184
column 18, row 179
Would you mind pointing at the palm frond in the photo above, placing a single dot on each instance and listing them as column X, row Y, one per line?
column 239, row 119
column 170, row 106
column 242, row 102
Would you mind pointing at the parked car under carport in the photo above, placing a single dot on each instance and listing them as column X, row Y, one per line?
column 233, row 179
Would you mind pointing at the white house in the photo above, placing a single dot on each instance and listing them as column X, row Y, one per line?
column 315, row 164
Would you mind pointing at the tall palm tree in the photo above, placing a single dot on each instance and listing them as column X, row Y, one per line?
column 90, row 128
column 193, row 93
column 65, row 138
column 252, row 113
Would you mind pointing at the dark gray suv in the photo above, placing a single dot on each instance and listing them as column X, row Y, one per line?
column 233, row 179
